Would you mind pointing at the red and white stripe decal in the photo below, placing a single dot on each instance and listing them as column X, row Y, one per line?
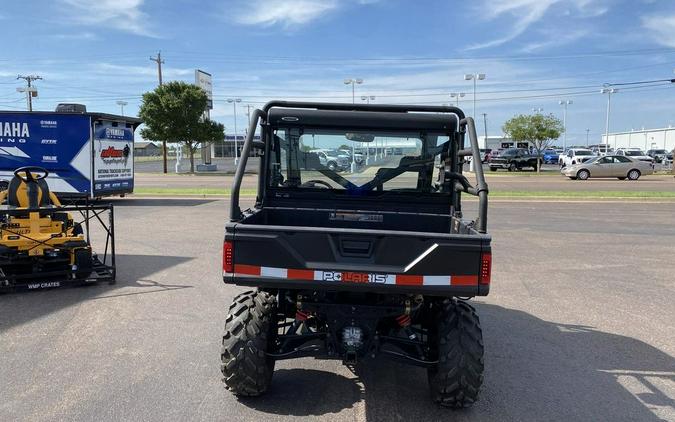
column 243, row 270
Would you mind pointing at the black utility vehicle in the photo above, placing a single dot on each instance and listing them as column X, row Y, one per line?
column 357, row 266
column 514, row 159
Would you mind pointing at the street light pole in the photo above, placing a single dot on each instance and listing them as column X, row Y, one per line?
column 537, row 110
column 367, row 98
column 457, row 95
column 234, row 102
column 588, row 130
column 475, row 77
column 609, row 92
column 353, row 82
column 122, row 104
column 565, row 103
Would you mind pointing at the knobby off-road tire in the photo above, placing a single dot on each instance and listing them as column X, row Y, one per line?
column 244, row 363
column 456, row 380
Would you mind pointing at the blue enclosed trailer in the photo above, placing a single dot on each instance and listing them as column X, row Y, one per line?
column 86, row 154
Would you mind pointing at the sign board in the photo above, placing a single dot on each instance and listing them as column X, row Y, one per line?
column 113, row 158
column 203, row 80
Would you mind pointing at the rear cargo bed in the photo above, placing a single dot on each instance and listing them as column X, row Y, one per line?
column 342, row 257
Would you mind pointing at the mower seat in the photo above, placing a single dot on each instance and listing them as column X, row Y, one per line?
column 17, row 194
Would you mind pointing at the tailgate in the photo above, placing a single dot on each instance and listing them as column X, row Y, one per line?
column 370, row 260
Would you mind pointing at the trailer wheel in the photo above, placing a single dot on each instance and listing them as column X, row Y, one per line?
column 456, row 380
column 244, row 362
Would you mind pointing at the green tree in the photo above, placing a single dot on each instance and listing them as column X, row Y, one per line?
column 538, row 129
column 175, row 112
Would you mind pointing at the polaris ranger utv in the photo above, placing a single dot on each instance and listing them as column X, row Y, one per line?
column 356, row 266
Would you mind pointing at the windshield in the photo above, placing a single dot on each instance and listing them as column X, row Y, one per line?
column 583, row 153
column 391, row 161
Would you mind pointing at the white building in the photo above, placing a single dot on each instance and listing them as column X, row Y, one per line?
column 645, row 139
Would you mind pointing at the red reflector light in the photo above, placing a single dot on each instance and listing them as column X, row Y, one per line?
column 228, row 257
column 485, row 267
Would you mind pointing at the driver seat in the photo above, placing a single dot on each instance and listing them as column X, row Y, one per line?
column 17, row 194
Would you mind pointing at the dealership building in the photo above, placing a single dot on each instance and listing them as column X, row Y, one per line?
column 644, row 139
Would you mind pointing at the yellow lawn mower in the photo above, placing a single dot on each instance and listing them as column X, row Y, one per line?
column 41, row 243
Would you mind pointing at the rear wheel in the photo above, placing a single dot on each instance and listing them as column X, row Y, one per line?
column 493, row 168
column 583, row 174
column 634, row 174
column 244, row 361
column 456, row 380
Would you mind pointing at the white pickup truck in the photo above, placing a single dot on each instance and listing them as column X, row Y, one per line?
column 576, row 156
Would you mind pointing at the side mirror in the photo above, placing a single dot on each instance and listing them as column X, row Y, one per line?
column 260, row 145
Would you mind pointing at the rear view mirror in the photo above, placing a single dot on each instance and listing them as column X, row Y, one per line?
column 360, row 137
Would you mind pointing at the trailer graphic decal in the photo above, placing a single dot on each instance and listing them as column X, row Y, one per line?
column 353, row 277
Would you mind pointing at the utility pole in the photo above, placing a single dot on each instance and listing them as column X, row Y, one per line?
column 588, row 130
column 29, row 90
column 159, row 62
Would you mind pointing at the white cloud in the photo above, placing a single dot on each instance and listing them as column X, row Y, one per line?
column 79, row 36
column 125, row 70
column 555, row 39
column 525, row 13
column 286, row 12
column 123, row 15
column 662, row 28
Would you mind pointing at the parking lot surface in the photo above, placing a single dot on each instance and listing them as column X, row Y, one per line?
column 580, row 325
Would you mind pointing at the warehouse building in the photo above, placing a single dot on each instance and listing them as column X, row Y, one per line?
column 644, row 139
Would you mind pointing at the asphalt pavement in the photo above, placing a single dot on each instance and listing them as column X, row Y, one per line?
column 579, row 326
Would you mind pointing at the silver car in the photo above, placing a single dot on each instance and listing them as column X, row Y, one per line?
column 617, row 166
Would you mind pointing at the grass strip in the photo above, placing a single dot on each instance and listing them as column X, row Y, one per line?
column 582, row 194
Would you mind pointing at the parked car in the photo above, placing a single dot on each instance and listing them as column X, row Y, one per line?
column 576, row 156
column 550, row 156
column 618, row 166
column 484, row 153
column 358, row 157
column 635, row 153
column 601, row 150
column 658, row 154
column 333, row 160
column 513, row 159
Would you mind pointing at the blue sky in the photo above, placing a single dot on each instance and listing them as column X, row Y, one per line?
column 534, row 52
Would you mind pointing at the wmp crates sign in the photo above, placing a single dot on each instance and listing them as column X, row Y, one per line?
column 113, row 158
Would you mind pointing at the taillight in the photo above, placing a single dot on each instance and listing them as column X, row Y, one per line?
column 228, row 257
column 485, row 267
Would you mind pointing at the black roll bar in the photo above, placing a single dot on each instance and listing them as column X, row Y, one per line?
column 481, row 189
column 235, row 210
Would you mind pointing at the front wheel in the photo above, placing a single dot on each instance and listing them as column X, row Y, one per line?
column 332, row 166
column 493, row 168
column 634, row 174
column 248, row 332
column 583, row 174
column 513, row 167
column 456, row 379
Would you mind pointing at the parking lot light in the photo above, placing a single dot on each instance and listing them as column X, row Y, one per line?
column 565, row 103
column 609, row 91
